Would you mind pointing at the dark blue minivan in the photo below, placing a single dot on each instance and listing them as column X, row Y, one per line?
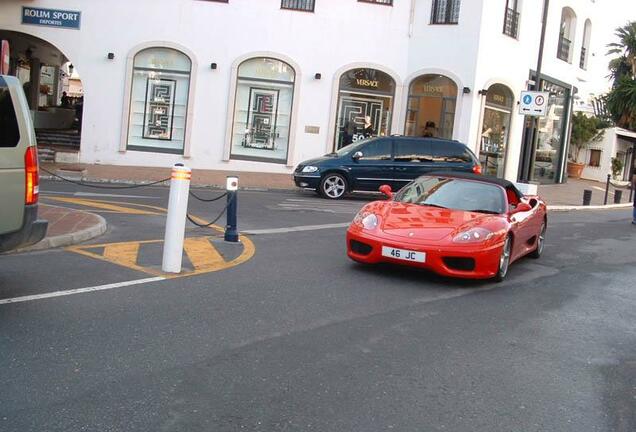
column 394, row 160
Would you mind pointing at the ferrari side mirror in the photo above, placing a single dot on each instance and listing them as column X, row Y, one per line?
column 386, row 190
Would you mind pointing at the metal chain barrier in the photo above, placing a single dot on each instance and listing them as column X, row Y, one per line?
column 209, row 224
column 80, row 183
column 207, row 200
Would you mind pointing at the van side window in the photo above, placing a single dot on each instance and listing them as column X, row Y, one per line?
column 414, row 151
column 9, row 131
column 450, row 152
column 376, row 150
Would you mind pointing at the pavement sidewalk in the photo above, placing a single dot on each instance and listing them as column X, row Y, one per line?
column 67, row 227
column 566, row 194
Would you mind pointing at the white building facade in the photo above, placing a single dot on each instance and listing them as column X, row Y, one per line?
column 260, row 85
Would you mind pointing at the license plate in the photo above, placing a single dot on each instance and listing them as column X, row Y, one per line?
column 403, row 254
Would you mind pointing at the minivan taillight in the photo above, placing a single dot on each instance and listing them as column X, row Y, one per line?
column 477, row 169
column 32, row 176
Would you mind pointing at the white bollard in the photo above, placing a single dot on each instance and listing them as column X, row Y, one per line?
column 175, row 222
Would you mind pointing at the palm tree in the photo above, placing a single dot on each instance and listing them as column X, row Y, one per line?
column 626, row 45
column 621, row 100
column 618, row 67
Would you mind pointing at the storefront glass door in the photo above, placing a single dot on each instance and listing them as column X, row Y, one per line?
column 431, row 107
column 495, row 130
column 549, row 149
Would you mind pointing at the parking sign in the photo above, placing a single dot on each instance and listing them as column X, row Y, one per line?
column 533, row 103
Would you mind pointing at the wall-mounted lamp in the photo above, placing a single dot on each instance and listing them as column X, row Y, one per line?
column 318, row 75
column 483, row 92
column 70, row 69
column 466, row 90
column 110, row 56
column 213, row 66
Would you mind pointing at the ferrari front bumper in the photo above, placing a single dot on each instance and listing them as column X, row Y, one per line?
column 470, row 261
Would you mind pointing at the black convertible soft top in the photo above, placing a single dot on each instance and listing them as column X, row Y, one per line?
column 508, row 185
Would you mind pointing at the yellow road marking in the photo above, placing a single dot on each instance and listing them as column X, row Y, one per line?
column 204, row 257
column 202, row 254
column 104, row 205
column 122, row 253
column 200, row 251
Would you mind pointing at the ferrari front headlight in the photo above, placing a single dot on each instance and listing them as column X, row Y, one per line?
column 473, row 235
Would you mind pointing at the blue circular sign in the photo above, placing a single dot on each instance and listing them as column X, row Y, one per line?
column 527, row 99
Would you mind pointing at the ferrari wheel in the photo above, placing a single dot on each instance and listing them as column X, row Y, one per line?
column 504, row 260
column 333, row 186
column 540, row 243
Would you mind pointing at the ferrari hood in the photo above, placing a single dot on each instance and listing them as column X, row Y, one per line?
column 424, row 222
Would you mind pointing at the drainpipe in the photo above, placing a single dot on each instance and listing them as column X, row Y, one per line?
column 411, row 18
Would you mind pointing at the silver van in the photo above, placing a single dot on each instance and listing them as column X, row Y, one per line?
column 19, row 173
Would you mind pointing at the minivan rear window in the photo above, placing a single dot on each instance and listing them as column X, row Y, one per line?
column 9, row 131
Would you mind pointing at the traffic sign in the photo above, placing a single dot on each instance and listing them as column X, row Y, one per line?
column 533, row 103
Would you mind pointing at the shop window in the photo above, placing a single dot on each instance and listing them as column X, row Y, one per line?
column 365, row 104
column 595, row 158
column 159, row 100
column 301, row 5
column 495, row 129
column 431, row 107
column 262, row 110
column 511, row 19
column 567, row 33
column 445, row 12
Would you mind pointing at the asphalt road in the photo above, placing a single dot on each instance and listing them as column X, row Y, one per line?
column 299, row 338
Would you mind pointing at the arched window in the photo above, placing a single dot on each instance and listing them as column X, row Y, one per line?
column 262, row 110
column 495, row 129
column 159, row 100
column 431, row 106
column 585, row 48
column 365, row 105
column 567, row 33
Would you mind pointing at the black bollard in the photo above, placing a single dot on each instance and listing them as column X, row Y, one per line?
column 607, row 189
column 587, row 197
column 231, row 232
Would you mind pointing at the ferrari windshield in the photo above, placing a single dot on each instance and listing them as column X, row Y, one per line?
column 454, row 193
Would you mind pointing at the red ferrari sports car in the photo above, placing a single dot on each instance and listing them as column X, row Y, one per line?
column 455, row 224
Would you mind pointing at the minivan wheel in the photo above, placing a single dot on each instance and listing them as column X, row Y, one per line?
column 333, row 186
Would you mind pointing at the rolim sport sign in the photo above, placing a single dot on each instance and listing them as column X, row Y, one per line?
column 51, row 17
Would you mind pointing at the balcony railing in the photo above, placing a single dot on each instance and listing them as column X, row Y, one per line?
column 511, row 23
column 564, row 48
column 582, row 62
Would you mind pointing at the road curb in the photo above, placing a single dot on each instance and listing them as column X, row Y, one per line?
column 565, row 208
column 69, row 239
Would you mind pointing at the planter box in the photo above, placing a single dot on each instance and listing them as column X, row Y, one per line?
column 575, row 170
